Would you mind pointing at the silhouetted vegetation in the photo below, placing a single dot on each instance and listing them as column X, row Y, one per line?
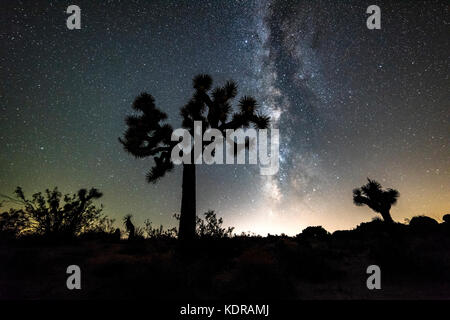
column 134, row 233
column 53, row 215
column 446, row 218
column 159, row 232
column 12, row 222
column 423, row 224
column 212, row 227
column 129, row 226
column 413, row 257
column 317, row 232
column 148, row 136
column 377, row 199
column 314, row 264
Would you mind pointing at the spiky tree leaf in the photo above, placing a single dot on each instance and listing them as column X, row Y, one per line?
column 247, row 105
column 230, row 89
column 261, row 121
column 202, row 82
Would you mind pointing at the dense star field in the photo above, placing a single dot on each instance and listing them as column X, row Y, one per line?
column 350, row 103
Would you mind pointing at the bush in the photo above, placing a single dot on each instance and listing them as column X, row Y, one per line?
column 53, row 215
column 212, row 227
column 423, row 224
column 314, row 232
column 12, row 223
column 159, row 232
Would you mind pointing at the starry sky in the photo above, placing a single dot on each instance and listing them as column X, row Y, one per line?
column 350, row 103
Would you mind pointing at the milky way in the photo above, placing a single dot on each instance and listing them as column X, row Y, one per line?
column 349, row 102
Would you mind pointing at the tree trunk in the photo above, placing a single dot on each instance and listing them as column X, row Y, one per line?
column 188, row 207
column 386, row 216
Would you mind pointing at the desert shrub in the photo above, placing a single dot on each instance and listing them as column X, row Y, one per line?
column 375, row 226
column 103, row 229
column 247, row 234
column 212, row 227
column 446, row 218
column 105, row 225
column 139, row 233
column 12, row 223
column 423, row 224
column 158, row 232
column 51, row 214
column 315, row 232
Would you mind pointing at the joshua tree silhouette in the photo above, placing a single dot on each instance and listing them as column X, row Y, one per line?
column 129, row 226
column 148, row 136
column 377, row 199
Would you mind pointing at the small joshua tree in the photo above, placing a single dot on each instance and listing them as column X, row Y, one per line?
column 377, row 199
column 129, row 226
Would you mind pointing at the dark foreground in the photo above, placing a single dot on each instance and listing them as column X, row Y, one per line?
column 414, row 264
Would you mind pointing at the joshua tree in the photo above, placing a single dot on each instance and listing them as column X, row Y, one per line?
column 129, row 226
column 148, row 136
column 377, row 199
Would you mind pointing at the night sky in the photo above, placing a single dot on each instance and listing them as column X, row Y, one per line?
column 350, row 103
